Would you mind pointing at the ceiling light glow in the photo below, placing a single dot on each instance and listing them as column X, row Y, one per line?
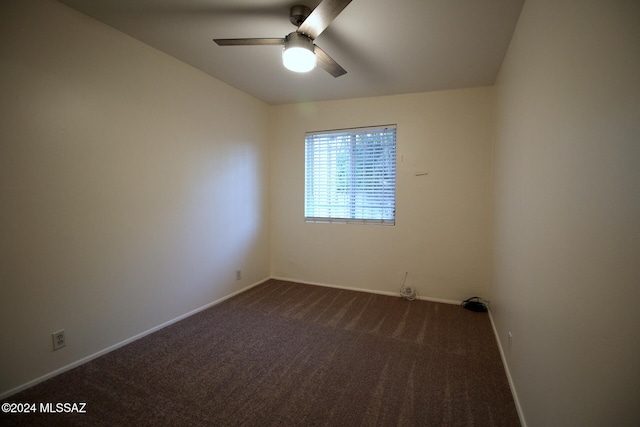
column 298, row 54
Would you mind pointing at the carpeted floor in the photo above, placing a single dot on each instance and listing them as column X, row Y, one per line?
column 287, row 354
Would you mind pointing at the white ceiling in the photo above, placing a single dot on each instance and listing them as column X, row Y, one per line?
column 386, row 46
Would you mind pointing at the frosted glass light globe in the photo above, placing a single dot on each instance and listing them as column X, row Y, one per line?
column 299, row 59
column 298, row 53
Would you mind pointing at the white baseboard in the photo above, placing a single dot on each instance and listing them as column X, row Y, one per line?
column 348, row 288
column 122, row 343
column 509, row 378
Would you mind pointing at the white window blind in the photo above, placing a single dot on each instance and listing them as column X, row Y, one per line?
column 350, row 175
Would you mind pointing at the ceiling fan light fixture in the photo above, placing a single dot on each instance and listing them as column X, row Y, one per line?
column 298, row 54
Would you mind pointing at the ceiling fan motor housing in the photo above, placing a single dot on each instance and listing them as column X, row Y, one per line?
column 296, row 39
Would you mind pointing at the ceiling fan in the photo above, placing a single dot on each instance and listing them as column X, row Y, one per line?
column 300, row 53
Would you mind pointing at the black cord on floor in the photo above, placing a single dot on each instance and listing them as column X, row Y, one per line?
column 475, row 304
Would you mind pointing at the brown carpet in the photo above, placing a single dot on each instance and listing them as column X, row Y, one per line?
column 287, row 354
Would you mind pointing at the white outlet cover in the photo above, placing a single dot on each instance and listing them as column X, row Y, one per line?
column 59, row 340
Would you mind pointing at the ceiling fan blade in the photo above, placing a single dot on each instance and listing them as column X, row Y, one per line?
column 325, row 62
column 321, row 17
column 249, row 42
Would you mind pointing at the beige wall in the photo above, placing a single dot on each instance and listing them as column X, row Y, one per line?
column 132, row 186
column 567, row 258
column 442, row 232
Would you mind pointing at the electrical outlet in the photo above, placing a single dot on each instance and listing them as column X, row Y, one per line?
column 238, row 274
column 510, row 341
column 59, row 340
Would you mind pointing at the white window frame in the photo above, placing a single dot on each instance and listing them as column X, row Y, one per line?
column 350, row 175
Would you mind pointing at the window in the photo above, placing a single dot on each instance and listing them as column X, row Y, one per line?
column 350, row 175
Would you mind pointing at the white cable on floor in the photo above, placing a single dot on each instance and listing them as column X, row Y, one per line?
column 407, row 292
